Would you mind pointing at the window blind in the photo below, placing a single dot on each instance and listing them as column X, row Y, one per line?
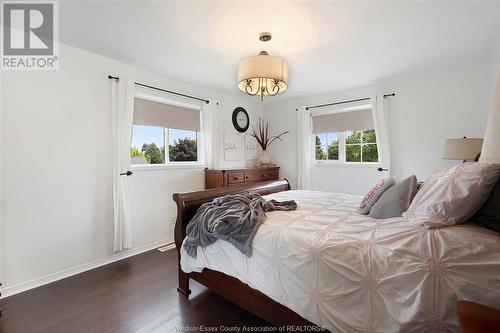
column 344, row 121
column 164, row 115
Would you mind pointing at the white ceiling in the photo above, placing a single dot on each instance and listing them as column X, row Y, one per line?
column 328, row 45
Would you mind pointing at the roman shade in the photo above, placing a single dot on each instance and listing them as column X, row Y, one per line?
column 343, row 121
column 164, row 115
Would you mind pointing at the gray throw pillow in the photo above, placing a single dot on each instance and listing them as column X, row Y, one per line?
column 489, row 214
column 396, row 200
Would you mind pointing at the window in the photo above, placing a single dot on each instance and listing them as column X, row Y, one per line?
column 148, row 145
column 348, row 146
column 327, row 146
column 345, row 135
column 361, row 146
column 182, row 145
column 164, row 134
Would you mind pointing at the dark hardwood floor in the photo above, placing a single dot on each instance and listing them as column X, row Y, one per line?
column 137, row 294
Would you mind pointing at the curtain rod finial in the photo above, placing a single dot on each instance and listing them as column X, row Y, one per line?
column 116, row 78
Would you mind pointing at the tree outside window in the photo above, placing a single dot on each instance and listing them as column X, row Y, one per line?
column 327, row 146
column 183, row 150
column 153, row 154
column 361, row 146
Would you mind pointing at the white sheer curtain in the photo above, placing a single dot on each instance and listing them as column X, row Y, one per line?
column 209, row 132
column 304, row 144
column 380, row 108
column 491, row 145
column 122, row 110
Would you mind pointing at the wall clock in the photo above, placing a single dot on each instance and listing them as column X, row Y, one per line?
column 241, row 121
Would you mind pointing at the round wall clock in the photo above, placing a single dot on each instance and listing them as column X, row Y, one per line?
column 241, row 122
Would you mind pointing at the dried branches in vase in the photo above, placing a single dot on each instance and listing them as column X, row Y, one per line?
column 264, row 140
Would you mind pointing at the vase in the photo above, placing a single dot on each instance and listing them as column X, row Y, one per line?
column 265, row 158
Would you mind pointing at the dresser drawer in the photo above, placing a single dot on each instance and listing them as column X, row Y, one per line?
column 215, row 178
column 263, row 175
column 250, row 176
column 274, row 174
column 235, row 177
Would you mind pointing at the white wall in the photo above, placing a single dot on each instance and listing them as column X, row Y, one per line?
column 428, row 109
column 56, row 169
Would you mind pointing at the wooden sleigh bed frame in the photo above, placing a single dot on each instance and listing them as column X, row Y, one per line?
column 227, row 286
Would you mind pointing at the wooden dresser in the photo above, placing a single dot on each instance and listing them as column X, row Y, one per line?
column 230, row 177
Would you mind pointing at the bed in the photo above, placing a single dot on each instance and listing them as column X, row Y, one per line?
column 325, row 265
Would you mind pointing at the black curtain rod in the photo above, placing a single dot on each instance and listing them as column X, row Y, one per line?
column 117, row 79
column 343, row 102
column 337, row 103
column 172, row 92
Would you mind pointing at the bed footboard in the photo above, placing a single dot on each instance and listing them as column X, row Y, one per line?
column 227, row 286
column 188, row 204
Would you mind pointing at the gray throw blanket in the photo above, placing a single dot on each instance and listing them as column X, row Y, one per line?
column 233, row 218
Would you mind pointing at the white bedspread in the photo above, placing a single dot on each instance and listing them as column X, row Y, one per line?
column 351, row 273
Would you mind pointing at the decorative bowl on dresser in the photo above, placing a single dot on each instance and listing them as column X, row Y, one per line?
column 231, row 177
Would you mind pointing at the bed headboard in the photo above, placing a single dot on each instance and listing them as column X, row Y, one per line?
column 188, row 203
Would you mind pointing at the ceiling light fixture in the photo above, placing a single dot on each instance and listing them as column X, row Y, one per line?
column 263, row 74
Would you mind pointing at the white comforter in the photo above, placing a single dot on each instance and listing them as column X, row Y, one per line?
column 351, row 273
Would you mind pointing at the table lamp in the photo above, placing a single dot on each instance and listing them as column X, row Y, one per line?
column 465, row 149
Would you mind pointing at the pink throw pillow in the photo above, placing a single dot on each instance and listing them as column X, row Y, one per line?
column 452, row 196
column 373, row 194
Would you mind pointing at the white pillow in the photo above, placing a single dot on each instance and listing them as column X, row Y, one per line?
column 452, row 196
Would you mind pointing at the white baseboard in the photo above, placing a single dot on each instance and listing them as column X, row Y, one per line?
column 167, row 247
column 23, row 286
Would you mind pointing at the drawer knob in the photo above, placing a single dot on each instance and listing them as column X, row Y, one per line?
column 235, row 178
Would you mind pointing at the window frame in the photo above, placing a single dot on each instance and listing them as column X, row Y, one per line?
column 339, row 144
column 361, row 144
column 341, row 162
column 342, row 153
column 167, row 153
column 200, row 142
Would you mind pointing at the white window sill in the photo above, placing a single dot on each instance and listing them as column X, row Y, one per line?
column 157, row 167
column 373, row 165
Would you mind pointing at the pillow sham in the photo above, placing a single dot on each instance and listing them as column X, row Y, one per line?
column 489, row 215
column 373, row 194
column 452, row 196
column 395, row 200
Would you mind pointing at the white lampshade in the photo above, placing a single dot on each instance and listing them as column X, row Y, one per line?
column 462, row 149
column 262, row 70
column 491, row 146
